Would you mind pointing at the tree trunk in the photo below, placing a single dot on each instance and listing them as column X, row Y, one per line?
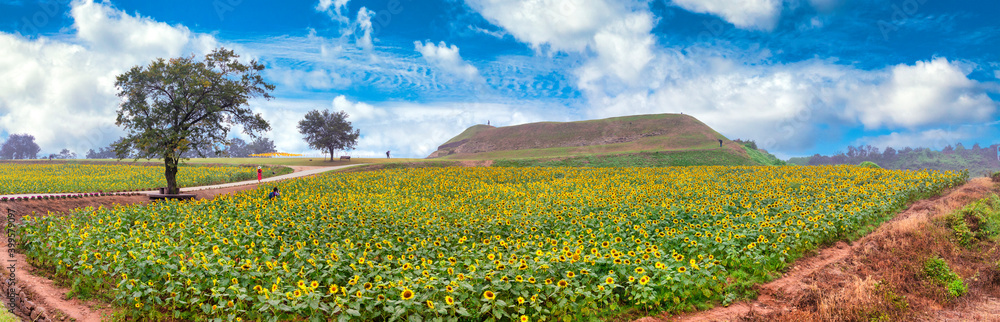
column 171, row 174
column 331, row 154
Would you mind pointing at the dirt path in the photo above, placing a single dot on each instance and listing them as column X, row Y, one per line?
column 832, row 269
column 44, row 293
column 300, row 168
column 986, row 310
column 41, row 296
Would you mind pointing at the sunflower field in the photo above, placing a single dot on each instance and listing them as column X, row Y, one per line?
column 466, row 243
column 18, row 178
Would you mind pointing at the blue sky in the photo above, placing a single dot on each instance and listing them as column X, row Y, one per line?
column 798, row 76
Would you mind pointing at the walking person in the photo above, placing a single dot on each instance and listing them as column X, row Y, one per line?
column 387, row 155
column 260, row 174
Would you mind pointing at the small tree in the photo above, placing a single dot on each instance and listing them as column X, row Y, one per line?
column 329, row 132
column 171, row 107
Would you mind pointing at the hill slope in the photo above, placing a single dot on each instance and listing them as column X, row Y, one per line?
column 636, row 135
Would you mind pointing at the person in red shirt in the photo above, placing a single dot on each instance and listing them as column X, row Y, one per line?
column 260, row 174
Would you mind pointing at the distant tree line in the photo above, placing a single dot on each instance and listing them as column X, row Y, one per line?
column 237, row 148
column 64, row 154
column 23, row 147
column 977, row 159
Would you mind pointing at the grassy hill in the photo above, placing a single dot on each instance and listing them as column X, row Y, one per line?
column 640, row 140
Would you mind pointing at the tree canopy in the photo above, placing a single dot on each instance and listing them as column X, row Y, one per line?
column 173, row 106
column 20, row 146
column 329, row 132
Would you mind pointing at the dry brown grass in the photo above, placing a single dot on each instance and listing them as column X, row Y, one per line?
column 634, row 133
column 880, row 276
column 861, row 300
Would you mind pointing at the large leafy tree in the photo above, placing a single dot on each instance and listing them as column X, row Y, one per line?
column 19, row 146
column 182, row 104
column 329, row 132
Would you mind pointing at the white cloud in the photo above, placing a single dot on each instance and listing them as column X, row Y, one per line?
column 62, row 91
column 361, row 28
column 337, row 5
column 932, row 92
column 623, row 51
column 108, row 30
column 499, row 34
column 316, row 79
column 617, row 33
column 996, row 74
column 448, row 59
column 564, row 25
column 334, row 8
column 364, row 23
column 935, row 139
column 357, row 111
column 746, row 14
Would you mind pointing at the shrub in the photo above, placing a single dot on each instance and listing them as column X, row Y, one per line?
column 937, row 270
column 979, row 220
column 957, row 288
column 869, row 164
